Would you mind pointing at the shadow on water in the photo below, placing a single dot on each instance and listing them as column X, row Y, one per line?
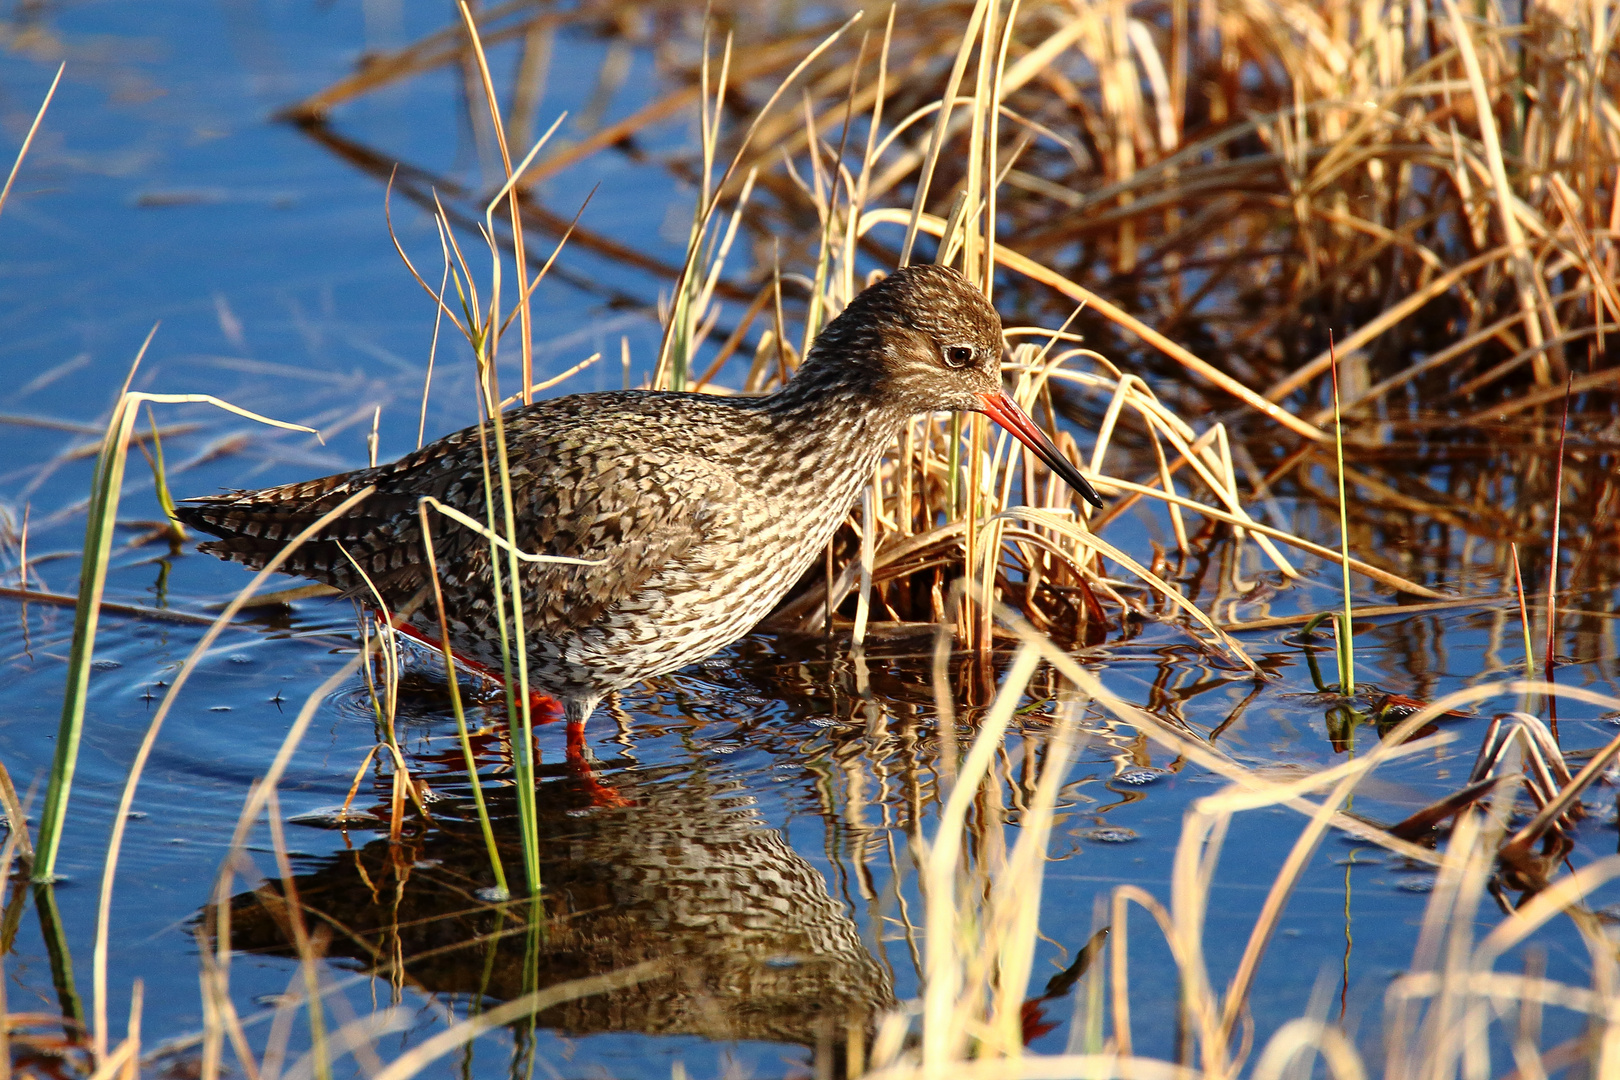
column 688, row 873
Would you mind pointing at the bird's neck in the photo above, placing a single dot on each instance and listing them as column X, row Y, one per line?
column 831, row 427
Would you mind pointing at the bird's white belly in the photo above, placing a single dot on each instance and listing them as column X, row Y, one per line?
column 688, row 612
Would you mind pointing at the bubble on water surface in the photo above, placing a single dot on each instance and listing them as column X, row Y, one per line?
column 494, row 894
column 1415, row 884
column 332, row 817
column 1109, row 834
column 1141, row 776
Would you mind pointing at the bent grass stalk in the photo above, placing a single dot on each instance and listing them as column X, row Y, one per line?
column 106, row 487
column 126, row 800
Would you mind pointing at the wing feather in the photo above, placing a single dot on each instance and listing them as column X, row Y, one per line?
column 582, row 488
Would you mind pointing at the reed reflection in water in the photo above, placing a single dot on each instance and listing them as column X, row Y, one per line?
column 685, row 872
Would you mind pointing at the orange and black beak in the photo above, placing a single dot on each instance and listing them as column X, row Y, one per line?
column 1004, row 411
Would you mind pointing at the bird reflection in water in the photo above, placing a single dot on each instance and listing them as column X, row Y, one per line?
column 684, row 871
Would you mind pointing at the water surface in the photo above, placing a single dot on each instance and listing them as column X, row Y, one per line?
column 771, row 791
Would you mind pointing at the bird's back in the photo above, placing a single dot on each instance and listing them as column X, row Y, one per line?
column 694, row 525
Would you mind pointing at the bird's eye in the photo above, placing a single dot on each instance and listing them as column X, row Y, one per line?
column 959, row 355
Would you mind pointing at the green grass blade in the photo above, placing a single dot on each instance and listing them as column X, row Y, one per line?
column 56, row 947
column 1346, row 639
column 160, row 477
column 98, row 534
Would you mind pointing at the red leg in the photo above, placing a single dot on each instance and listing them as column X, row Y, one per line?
column 579, row 763
column 544, row 708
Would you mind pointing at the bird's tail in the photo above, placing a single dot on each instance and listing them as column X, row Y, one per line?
column 253, row 526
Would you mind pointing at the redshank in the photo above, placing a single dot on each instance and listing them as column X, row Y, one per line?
column 698, row 511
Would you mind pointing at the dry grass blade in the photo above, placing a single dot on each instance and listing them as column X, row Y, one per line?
column 1161, row 587
column 137, row 766
column 1523, row 271
column 1022, row 264
column 28, row 140
column 1367, row 570
column 431, row 1049
column 1536, row 827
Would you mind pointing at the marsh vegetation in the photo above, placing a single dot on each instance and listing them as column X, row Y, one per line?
column 1323, row 299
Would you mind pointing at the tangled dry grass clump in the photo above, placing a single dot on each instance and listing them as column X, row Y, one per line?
column 1219, row 187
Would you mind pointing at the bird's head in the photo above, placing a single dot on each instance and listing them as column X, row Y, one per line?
column 925, row 339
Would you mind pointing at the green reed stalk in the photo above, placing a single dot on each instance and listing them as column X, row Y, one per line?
column 1346, row 650
column 482, row 334
column 104, row 490
column 525, row 756
column 56, row 947
column 105, row 486
column 519, row 724
column 160, row 478
column 455, row 706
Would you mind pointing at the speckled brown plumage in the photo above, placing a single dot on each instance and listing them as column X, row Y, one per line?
column 702, row 510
